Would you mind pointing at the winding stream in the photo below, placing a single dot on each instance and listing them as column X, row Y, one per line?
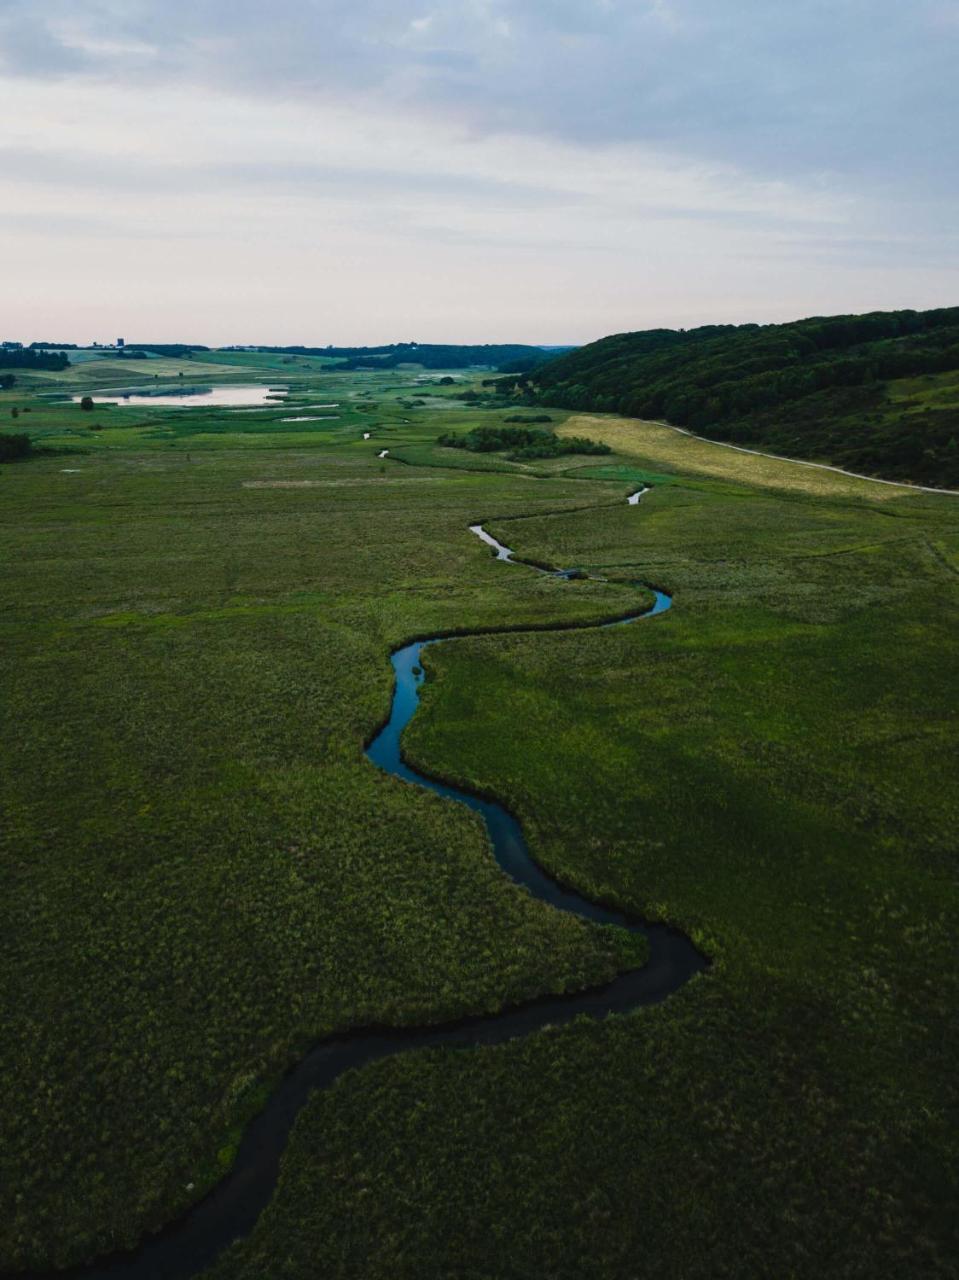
column 230, row 1211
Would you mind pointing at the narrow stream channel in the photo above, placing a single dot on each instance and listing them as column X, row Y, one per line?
column 230, row 1211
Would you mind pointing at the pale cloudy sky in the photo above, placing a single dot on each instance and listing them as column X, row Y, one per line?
column 470, row 170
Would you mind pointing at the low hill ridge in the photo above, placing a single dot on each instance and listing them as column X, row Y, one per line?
column 877, row 393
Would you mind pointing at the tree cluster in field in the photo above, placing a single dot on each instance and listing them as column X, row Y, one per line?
column 25, row 358
column 529, row 420
column 13, row 447
column 743, row 382
column 522, row 442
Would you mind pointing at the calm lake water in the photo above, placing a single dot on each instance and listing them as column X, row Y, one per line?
column 190, row 397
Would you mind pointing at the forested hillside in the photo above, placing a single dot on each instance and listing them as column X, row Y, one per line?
column 877, row 393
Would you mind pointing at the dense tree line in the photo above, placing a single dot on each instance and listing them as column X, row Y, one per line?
column 429, row 355
column 861, row 429
column 175, row 350
column 526, row 364
column 522, row 442
column 747, row 382
column 28, row 359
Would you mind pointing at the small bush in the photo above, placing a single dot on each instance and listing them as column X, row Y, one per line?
column 14, row 447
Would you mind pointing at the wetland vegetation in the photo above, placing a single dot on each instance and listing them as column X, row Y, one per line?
column 203, row 875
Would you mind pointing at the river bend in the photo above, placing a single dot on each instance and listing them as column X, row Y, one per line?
column 190, row 1244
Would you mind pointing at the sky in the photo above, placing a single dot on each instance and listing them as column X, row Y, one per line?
column 548, row 171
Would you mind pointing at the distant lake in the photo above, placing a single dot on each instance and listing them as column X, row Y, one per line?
column 189, row 397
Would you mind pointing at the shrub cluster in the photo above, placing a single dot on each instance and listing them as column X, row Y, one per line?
column 13, row 447
column 522, row 442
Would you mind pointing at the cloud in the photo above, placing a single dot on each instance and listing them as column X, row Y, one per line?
column 589, row 165
column 843, row 85
column 88, row 140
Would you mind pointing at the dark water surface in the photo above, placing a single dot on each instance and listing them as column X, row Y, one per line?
column 230, row 1211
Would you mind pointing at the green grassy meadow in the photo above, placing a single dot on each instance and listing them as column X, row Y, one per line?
column 202, row 875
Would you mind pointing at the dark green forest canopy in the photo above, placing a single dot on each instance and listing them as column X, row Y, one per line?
column 818, row 387
column 171, row 349
column 14, row 446
column 524, row 442
column 21, row 358
column 429, row 355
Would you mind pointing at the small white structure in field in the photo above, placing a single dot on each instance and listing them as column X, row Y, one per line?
column 366, row 435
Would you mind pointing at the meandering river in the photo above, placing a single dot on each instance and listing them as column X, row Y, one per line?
column 229, row 1212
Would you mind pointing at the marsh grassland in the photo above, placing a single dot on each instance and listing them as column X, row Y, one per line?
column 202, row 875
